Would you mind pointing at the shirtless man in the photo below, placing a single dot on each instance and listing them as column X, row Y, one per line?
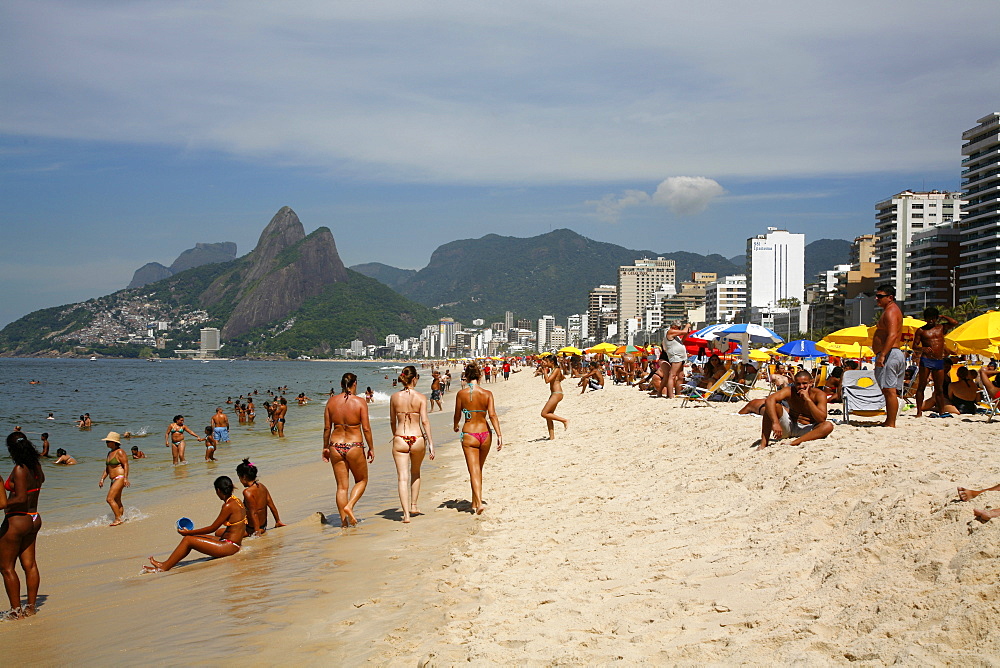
column 436, row 389
column 805, row 419
column 593, row 379
column 890, row 363
column 220, row 426
column 280, row 410
column 928, row 343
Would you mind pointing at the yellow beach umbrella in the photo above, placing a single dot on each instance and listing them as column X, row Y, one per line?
column 849, row 335
column 570, row 350
column 605, row 348
column 758, row 355
column 979, row 336
column 845, row 349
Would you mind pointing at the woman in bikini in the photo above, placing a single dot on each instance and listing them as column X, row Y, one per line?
column 411, row 435
column 257, row 499
column 116, row 468
column 229, row 528
column 553, row 375
column 476, row 404
column 175, row 439
column 344, row 422
column 672, row 368
column 21, row 523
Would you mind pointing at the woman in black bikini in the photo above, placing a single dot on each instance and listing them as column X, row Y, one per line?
column 475, row 404
column 116, row 468
column 344, row 422
column 21, row 523
column 411, row 433
column 229, row 529
column 553, row 376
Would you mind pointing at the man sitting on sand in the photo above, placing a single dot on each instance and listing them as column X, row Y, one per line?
column 805, row 419
column 593, row 379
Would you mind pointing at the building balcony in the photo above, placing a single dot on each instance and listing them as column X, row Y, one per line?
column 985, row 123
column 989, row 141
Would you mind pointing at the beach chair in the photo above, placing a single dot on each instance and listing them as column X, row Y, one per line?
column 821, row 377
column 862, row 395
column 771, row 369
column 702, row 394
column 986, row 402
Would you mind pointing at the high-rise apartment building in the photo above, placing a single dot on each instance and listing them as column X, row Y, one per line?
column 932, row 256
column 777, row 265
column 557, row 337
column 508, row 320
column 210, row 341
column 637, row 282
column 725, row 299
column 979, row 272
column 898, row 219
column 545, row 325
column 602, row 305
column 863, row 250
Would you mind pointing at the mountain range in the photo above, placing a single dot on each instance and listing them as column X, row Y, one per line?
column 201, row 254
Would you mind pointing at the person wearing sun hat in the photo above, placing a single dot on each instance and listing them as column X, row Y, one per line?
column 115, row 467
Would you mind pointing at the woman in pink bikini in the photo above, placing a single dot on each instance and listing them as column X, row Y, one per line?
column 21, row 523
column 116, row 468
column 411, row 435
column 476, row 404
column 344, row 422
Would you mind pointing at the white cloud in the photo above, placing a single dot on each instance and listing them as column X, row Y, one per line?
column 687, row 195
column 684, row 195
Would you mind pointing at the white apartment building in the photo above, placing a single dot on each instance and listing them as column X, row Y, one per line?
column 897, row 219
column 557, row 337
column 602, row 303
column 979, row 271
column 725, row 299
column 777, row 264
column 545, row 325
column 210, row 341
column 637, row 283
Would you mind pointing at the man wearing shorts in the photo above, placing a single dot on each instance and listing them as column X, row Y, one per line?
column 436, row 391
column 805, row 416
column 220, row 426
column 890, row 363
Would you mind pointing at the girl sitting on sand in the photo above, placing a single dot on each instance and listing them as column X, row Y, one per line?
column 229, row 529
column 256, row 499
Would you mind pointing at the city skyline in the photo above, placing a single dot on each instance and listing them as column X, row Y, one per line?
column 130, row 132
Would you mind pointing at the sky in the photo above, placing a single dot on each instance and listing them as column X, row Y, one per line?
column 131, row 130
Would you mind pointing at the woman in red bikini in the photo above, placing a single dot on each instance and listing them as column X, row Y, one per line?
column 411, row 435
column 476, row 404
column 21, row 523
column 344, row 422
column 116, row 468
column 229, row 528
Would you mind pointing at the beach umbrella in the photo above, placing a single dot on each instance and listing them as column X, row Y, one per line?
column 570, row 350
column 845, row 349
column 801, row 348
column 849, row 335
column 605, row 348
column 979, row 336
column 758, row 355
column 748, row 333
column 707, row 333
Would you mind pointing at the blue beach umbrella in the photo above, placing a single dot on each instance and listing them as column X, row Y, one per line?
column 708, row 333
column 801, row 348
column 748, row 332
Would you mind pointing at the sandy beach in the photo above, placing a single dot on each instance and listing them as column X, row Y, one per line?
column 645, row 533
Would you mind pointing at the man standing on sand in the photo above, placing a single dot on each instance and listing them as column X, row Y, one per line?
column 805, row 417
column 436, row 390
column 220, row 426
column 928, row 342
column 890, row 363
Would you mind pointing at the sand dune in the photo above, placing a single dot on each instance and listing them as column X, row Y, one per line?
column 652, row 533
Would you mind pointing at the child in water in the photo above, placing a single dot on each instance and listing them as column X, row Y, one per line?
column 257, row 500
column 209, row 444
column 137, row 453
column 64, row 458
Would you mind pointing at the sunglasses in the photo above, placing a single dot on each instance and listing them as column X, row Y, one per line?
column 878, row 296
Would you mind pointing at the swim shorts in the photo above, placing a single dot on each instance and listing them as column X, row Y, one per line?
column 221, row 434
column 435, row 395
column 891, row 374
column 931, row 363
column 794, row 430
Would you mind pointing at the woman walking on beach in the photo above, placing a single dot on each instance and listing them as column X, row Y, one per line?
column 175, row 439
column 411, row 435
column 553, row 376
column 229, row 529
column 476, row 404
column 672, row 369
column 344, row 422
column 116, row 468
column 21, row 523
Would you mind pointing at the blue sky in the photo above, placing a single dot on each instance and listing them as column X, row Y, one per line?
column 130, row 131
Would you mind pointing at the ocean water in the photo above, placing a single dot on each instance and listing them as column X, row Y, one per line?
column 135, row 395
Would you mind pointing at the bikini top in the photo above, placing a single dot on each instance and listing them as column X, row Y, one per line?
column 10, row 488
column 113, row 461
column 242, row 521
column 467, row 412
